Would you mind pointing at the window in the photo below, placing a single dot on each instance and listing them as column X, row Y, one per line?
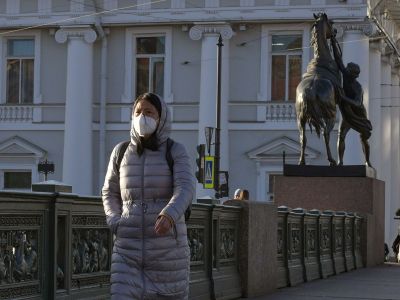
column 17, row 179
column 285, row 66
column 20, row 70
column 150, row 57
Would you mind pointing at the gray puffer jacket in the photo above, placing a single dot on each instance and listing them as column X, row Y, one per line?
column 145, row 265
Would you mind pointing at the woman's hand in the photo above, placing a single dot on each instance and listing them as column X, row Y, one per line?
column 163, row 225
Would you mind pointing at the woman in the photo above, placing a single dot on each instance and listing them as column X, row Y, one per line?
column 144, row 203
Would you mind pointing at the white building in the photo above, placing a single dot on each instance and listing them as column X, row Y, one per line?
column 70, row 69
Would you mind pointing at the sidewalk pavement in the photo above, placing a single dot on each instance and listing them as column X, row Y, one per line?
column 382, row 282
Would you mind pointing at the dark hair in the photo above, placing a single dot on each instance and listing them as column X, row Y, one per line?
column 152, row 141
column 152, row 99
column 244, row 195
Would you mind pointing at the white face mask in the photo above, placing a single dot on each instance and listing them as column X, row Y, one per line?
column 144, row 125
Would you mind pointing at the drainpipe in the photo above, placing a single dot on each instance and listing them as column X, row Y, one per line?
column 103, row 93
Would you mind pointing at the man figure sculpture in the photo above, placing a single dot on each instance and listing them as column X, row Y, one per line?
column 354, row 115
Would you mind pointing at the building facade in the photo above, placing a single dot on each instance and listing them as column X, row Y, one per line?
column 71, row 69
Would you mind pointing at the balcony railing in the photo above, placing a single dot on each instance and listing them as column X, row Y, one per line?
column 16, row 113
column 281, row 111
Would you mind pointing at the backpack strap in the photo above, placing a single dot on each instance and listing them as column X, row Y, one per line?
column 168, row 155
column 120, row 153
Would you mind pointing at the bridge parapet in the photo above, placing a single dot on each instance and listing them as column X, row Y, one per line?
column 58, row 246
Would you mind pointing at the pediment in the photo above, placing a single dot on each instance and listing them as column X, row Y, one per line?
column 273, row 151
column 17, row 146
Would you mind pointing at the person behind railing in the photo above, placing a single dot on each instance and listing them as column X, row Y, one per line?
column 236, row 195
column 145, row 200
column 244, row 195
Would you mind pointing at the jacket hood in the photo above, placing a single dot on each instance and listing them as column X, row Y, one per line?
column 164, row 126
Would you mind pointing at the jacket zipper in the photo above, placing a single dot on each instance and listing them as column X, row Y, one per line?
column 143, row 212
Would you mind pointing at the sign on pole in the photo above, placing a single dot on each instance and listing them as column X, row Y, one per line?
column 209, row 172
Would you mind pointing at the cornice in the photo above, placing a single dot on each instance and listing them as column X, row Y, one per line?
column 367, row 28
column 84, row 32
column 218, row 28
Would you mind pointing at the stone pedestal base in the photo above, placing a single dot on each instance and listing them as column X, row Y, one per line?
column 362, row 195
column 51, row 186
column 257, row 247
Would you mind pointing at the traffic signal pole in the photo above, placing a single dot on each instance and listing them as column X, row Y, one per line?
column 218, row 118
column 200, row 163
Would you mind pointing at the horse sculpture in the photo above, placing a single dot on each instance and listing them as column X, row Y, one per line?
column 318, row 92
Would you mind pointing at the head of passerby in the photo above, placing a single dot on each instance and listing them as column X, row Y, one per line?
column 236, row 195
column 244, row 195
column 146, row 116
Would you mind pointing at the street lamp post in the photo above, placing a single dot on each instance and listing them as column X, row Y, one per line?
column 46, row 167
column 218, row 118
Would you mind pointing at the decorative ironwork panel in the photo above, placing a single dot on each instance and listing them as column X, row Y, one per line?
column 338, row 238
column 325, row 239
column 79, row 282
column 19, row 257
column 196, row 244
column 295, row 240
column 227, row 243
column 311, row 239
column 89, row 221
column 20, row 221
column 349, row 236
column 20, row 291
column 357, row 230
column 90, row 252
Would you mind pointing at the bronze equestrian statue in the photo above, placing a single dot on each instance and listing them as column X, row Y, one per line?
column 320, row 89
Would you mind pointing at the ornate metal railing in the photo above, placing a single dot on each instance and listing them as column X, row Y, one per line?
column 314, row 244
column 17, row 113
column 58, row 246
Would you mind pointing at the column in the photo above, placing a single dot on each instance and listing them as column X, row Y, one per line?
column 374, row 107
column 385, row 102
column 395, row 153
column 224, row 162
column 396, row 98
column 209, row 34
column 356, row 49
column 77, row 160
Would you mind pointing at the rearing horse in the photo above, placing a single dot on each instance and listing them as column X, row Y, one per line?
column 316, row 94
